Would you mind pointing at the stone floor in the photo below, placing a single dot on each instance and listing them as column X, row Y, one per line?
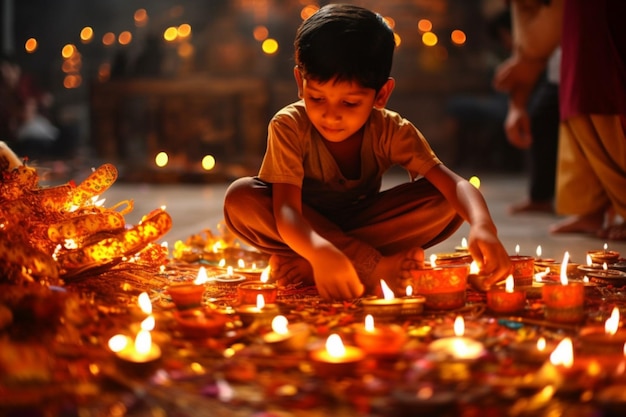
column 195, row 207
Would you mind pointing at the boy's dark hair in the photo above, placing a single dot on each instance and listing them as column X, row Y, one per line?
column 345, row 43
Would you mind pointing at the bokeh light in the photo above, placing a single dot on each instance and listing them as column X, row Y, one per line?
column 170, row 34
column 270, row 46
column 424, row 25
column 141, row 17
column 31, row 45
column 260, row 33
column 458, row 37
column 125, row 38
column 475, row 181
column 184, row 30
column 86, row 34
column 308, row 11
column 429, row 39
column 68, row 50
column 208, row 162
column 161, row 159
column 108, row 39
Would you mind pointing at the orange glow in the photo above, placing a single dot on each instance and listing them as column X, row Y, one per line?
column 429, row 39
column 184, row 30
column 425, row 25
column 390, row 21
column 458, row 37
column 86, row 34
column 140, row 17
column 104, row 72
column 30, row 45
column 308, row 11
column 260, row 33
column 170, row 34
column 397, row 39
column 68, row 50
column 108, row 38
column 185, row 50
column 72, row 81
column 125, row 38
column 270, row 46
column 208, row 162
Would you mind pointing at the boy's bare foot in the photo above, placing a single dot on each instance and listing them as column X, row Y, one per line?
column 589, row 223
column 530, row 206
column 291, row 270
column 395, row 269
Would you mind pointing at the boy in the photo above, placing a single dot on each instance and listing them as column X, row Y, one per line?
column 316, row 204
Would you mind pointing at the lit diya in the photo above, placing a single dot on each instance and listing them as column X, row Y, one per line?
column 604, row 256
column 287, row 337
column 442, row 286
column 381, row 340
column 336, row 360
column 200, row 322
column 523, row 268
column 533, row 351
column 140, row 356
column 564, row 301
column 604, row 340
column 507, row 299
column 412, row 304
column 189, row 294
column 387, row 308
column 247, row 292
column 261, row 313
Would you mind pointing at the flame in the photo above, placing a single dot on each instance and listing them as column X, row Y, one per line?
column 143, row 342
column 459, row 326
column 241, row 264
column 541, row 344
column 202, row 277
column 564, row 268
column 538, row 251
column 148, row 323
column 265, row 275
column 217, row 246
column 563, row 354
column 144, row 303
column 474, row 268
column 387, row 293
column 229, row 271
column 222, row 263
column 589, row 261
column 539, row 275
column 260, row 301
column 517, row 249
column 118, row 342
column 409, row 290
column 433, row 260
column 612, row 323
column 605, row 267
column 334, row 346
column 463, row 243
column 510, row 282
column 606, row 246
column 279, row 324
column 369, row 323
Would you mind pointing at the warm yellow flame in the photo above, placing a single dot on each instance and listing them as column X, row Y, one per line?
column 217, row 246
column 118, row 342
column 369, row 323
column 202, row 277
column 459, row 326
column 334, row 346
column 563, row 354
column 612, row 323
column 517, row 249
column 464, row 243
column 564, row 268
column 148, row 323
column 143, row 342
column 433, row 260
column 229, row 271
column 474, row 268
column 409, row 290
column 260, row 301
column 222, row 263
column 606, row 246
column 387, row 293
column 144, row 303
column 538, row 252
column 265, row 275
column 509, row 283
column 241, row 264
column 605, row 266
column 280, row 324
column 541, row 344
column 589, row 261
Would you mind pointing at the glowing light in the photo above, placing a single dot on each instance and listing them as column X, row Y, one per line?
column 143, row 300
column 72, row 81
column 265, row 274
column 474, row 268
column 429, row 39
column 202, row 277
column 208, row 162
column 161, row 159
column 260, row 301
column 612, row 323
column 538, row 251
column 459, row 326
column 369, row 323
column 141, row 17
column 260, row 33
column 387, row 293
column 280, row 325
column 143, row 342
column 433, row 260
column 425, row 25
column 409, row 290
column 397, row 39
column 458, row 37
column 517, row 249
column 185, row 50
column 31, row 45
column 118, row 342
column 68, row 50
column 475, row 181
column 270, row 46
column 541, row 344
column 563, row 354
column 334, row 346
column 184, row 30
column 564, row 268
column 125, row 38
column 86, row 34
column 390, row 21
column 148, row 323
column 170, row 34
column 308, row 11
column 108, row 39
column 509, row 283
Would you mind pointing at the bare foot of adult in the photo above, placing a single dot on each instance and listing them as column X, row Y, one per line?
column 590, row 223
column 613, row 232
column 530, row 206
column 395, row 269
column 291, row 270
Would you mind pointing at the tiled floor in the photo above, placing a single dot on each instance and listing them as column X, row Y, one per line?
column 195, row 207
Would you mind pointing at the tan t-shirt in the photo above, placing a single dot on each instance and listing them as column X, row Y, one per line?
column 296, row 155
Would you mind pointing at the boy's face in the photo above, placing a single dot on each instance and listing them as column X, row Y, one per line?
column 337, row 109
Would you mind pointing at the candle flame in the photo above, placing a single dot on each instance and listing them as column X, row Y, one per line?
column 144, row 303
column 409, row 290
column 586, row 279
column 369, row 323
column 538, row 251
column 265, row 274
column 459, row 326
column 474, row 268
column 517, row 249
column 222, row 263
column 612, row 323
column 564, row 268
column 229, row 271
column 606, row 246
column 433, row 260
column 463, row 243
column 334, row 346
column 148, row 323
column 279, row 324
column 143, row 342
column 118, row 342
column 217, row 246
column 563, row 354
column 387, row 293
column 509, row 283
column 539, row 275
column 202, row 277
column 260, row 301
column 605, row 267
column 241, row 264
column 541, row 344
column 589, row 261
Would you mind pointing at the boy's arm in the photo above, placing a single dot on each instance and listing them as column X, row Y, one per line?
column 335, row 276
column 484, row 245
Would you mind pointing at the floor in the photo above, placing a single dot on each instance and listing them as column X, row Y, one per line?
column 197, row 207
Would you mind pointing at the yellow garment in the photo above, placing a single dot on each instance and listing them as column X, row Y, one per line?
column 591, row 171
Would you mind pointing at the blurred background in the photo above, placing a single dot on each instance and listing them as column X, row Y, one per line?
column 182, row 90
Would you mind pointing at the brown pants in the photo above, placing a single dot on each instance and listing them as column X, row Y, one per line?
column 591, row 174
column 407, row 216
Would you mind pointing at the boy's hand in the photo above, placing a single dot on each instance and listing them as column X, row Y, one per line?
column 335, row 276
column 487, row 250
